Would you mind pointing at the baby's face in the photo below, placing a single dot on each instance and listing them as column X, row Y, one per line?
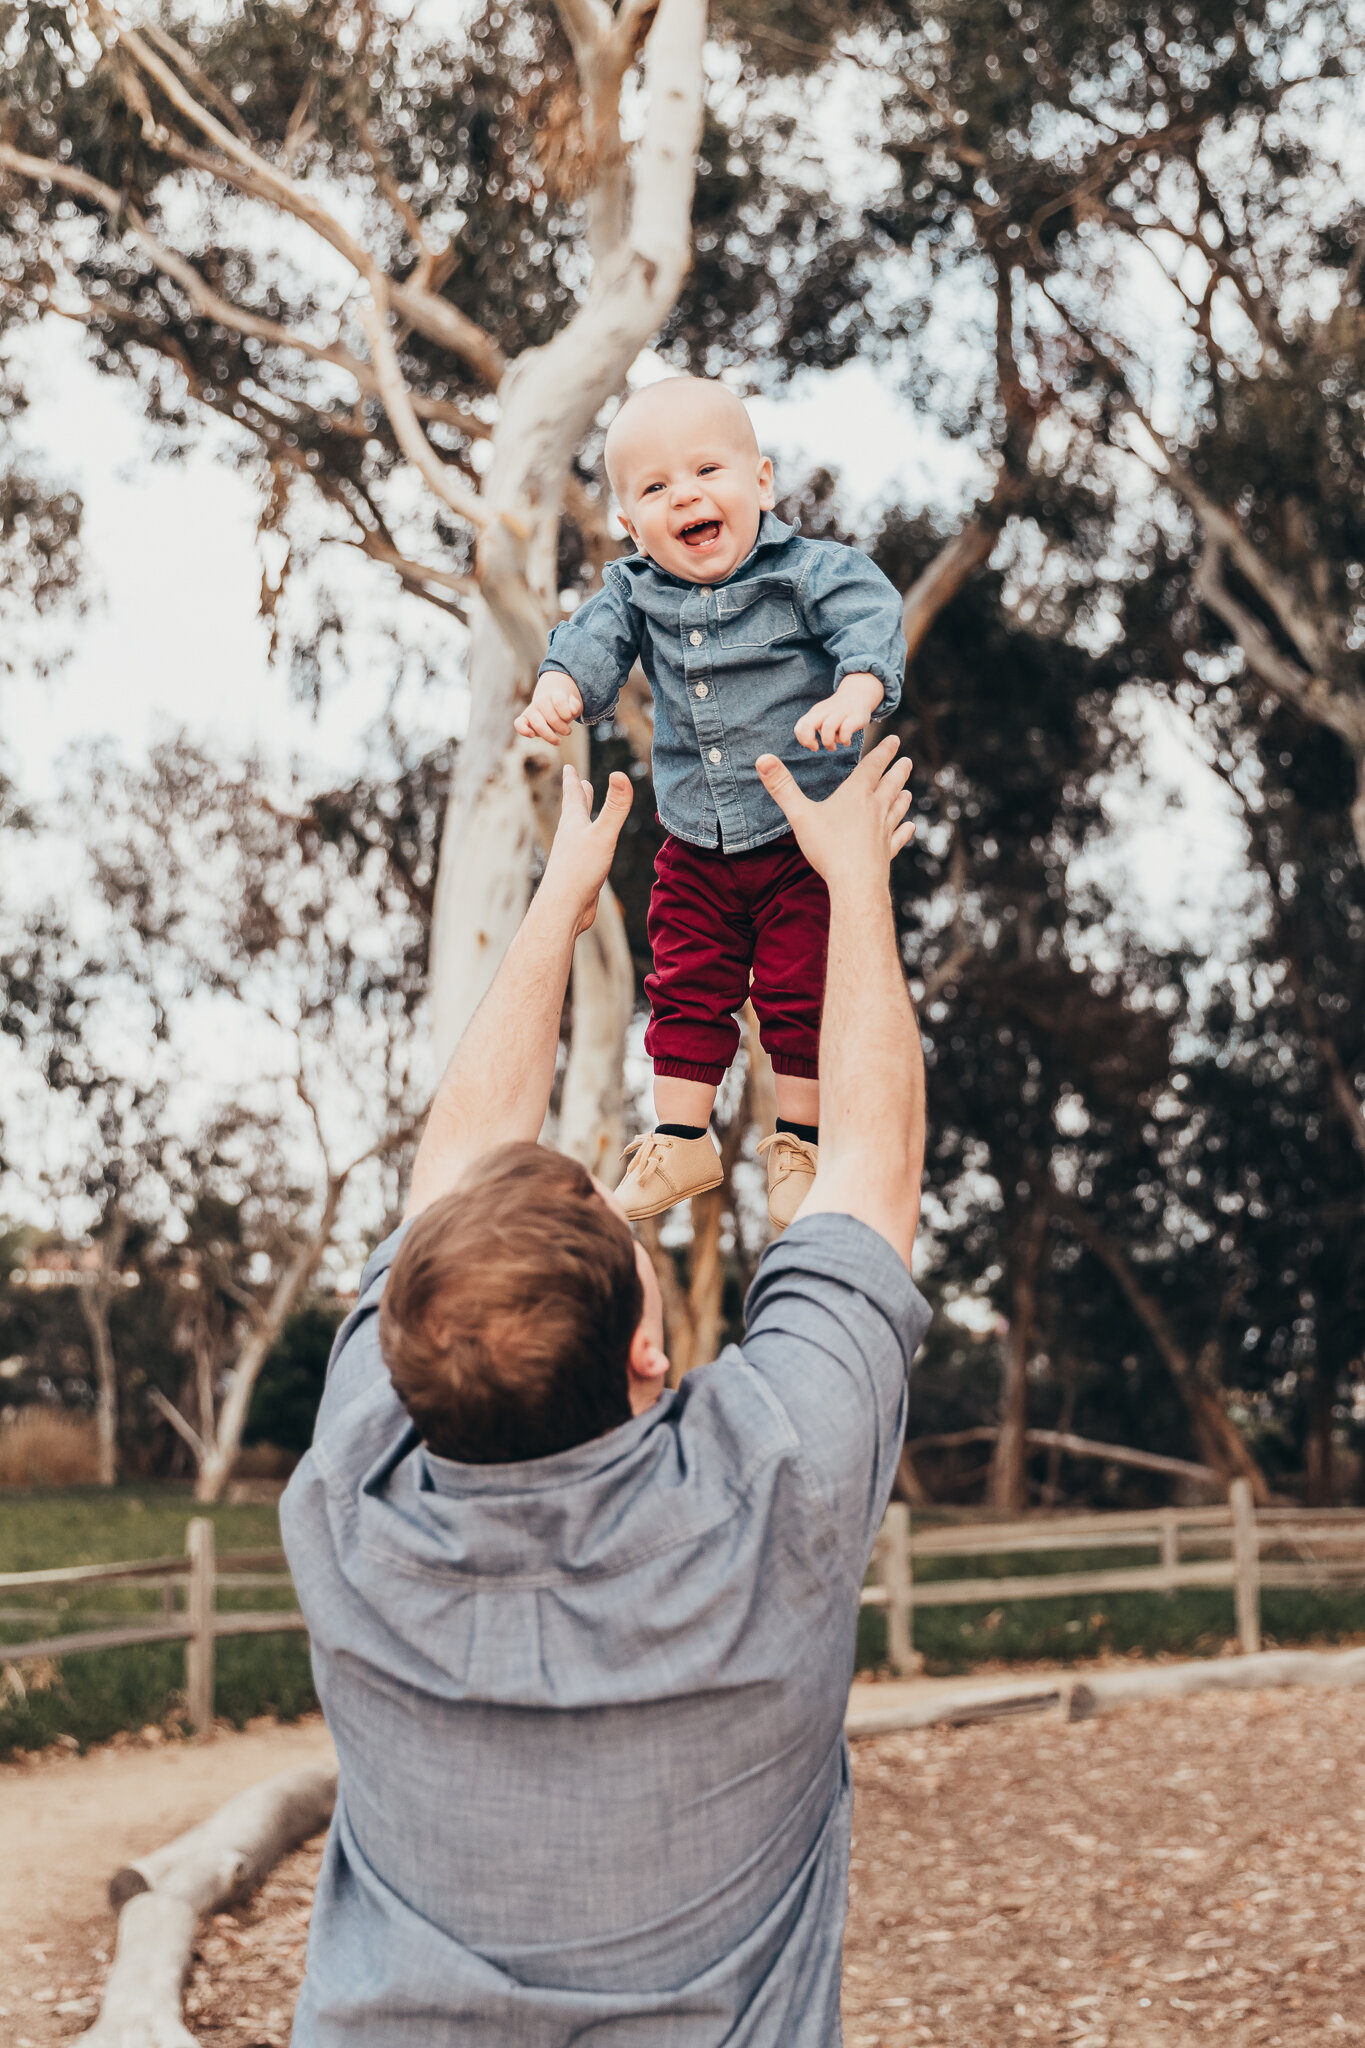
column 690, row 481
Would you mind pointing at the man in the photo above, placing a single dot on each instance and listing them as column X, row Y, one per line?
column 584, row 1644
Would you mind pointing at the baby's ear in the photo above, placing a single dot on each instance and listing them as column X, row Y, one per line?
column 767, row 494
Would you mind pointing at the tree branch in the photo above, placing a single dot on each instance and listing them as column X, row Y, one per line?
column 186, row 1430
column 249, row 172
column 438, row 475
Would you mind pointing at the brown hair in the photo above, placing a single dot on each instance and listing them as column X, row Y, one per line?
column 508, row 1313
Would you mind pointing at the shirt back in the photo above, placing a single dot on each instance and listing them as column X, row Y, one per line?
column 589, row 1708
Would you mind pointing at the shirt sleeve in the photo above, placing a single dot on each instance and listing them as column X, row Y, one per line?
column 356, row 1361
column 856, row 612
column 833, row 1322
column 597, row 647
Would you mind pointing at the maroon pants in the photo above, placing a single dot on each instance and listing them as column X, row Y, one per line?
column 713, row 919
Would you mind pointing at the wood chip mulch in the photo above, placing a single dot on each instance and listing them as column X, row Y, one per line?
column 1175, row 1874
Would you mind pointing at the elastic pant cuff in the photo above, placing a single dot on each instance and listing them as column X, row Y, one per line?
column 801, row 1070
column 689, row 1070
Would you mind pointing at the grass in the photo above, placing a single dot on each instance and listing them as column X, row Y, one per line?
column 1194, row 1622
column 96, row 1694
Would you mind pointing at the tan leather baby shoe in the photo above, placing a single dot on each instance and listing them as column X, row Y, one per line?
column 665, row 1170
column 791, row 1169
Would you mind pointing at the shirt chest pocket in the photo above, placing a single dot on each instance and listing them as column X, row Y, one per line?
column 756, row 613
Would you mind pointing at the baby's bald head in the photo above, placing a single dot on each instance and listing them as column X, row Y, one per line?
column 685, row 465
column 656, row 418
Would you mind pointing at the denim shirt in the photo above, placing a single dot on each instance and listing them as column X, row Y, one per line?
column 732, row 666
column 588, row 1709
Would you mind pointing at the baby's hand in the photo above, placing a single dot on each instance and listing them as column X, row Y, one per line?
column 552, row 710
column 835, row 720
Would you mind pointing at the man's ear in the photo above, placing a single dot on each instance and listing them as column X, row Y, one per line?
column 645, row 1362
column 767, row 494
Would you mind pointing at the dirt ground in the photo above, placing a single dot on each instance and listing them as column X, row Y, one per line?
column 67, row 1823
column 1175, row 1874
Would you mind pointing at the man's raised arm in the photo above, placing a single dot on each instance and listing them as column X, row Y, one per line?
column 497, row 1086
column 871, row 1063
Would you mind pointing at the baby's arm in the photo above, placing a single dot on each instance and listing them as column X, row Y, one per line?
column 588, row 659
column 856, row 613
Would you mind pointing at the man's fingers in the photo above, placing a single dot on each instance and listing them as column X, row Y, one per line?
column 780, row 784
column 895, row 779
column 902, row 836
column 618, row 799
column 874, row 765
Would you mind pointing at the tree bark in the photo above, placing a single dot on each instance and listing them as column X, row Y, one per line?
column 96, row 1302
column 1007, row 1487
column 549, row 399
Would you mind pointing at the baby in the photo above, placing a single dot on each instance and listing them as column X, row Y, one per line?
column 754, row 641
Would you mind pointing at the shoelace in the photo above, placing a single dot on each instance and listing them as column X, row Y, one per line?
column 646, row 1154
column 790, row 1155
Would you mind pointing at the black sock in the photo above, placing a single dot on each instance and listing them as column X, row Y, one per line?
column 680, row 1130
column 809, row 1134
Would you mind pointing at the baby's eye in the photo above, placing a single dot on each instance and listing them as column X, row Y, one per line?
column 707, row 468
column 650, row 489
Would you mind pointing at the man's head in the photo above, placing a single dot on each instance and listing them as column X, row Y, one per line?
column 520, row 1317
column 688, row 476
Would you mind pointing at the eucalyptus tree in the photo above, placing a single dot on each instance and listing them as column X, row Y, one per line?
column 388, row 259
column 300, row 932
column 1155, row 213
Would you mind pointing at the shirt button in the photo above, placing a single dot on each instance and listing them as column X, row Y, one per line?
column 714, row 755
column 695, row 638
column 701, row 690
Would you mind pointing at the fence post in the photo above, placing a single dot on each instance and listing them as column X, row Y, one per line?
column 199, row 1604
column 1246, row 1567
column 895, row 1576
column 1170, row 1544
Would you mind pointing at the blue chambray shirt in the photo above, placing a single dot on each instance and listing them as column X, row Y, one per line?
column 732, row 666
column 594, row 1788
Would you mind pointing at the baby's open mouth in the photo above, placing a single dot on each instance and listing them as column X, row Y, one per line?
column 700, row 533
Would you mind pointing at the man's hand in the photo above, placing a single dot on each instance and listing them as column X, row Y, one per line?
column 552, row 710
column 853, row 836
column 581, row 855
column 836, row 720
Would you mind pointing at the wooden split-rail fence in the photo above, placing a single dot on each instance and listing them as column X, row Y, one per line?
column 1235, row 1546
column 189, row 1587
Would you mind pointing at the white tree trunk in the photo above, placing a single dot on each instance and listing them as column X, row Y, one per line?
column 221, row 1454
column 483, row 882
column 549, row 400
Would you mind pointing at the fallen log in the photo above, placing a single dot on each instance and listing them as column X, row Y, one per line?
column 1105, row 1690
column 160, row 1897
column 958, row 1708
